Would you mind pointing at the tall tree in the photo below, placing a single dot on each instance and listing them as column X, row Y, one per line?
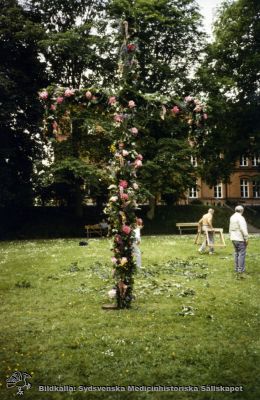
column 74, row 46
column 167, row 172
column 78, row 53
column 162, row 33
column 230, row 77
column 21, row 75
column 168, row 37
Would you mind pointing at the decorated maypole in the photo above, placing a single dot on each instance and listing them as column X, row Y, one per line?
column 124, row 114
column 123, row 172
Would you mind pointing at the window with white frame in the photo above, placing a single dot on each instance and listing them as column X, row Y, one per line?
column 193, row 161
column 256, row 189
column 243, row 161
column 255, row 161
column 193, row 192
column 244, row 188
column 218, row 191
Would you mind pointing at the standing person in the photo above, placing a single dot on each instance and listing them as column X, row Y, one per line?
column 205, row 223
column 137, row 241
column 239, row 235
column 104, row 227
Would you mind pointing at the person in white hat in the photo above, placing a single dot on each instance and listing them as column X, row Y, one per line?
column 239, row 235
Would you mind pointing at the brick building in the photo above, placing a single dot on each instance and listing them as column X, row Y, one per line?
column 244, row 186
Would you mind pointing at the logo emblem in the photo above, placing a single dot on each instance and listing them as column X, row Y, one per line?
column 19, row 380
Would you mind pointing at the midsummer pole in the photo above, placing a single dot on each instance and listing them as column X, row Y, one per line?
column 123, row 173
column 128, row 109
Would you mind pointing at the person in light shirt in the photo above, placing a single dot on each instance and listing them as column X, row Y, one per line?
column 137, row 241
column 204, row 224
column 239, row 235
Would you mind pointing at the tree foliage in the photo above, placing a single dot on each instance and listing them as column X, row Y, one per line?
column 230, row 76
column 21, row 75
column 168, row 38
column 75, row 45
column 161, row 34
column 76, row 51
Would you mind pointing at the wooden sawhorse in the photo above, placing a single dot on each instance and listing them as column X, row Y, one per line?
column 216, row 231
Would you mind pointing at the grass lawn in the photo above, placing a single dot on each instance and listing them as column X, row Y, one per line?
column 192, row 322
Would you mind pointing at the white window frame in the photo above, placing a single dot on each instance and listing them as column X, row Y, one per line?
column 256, row 189
column 193, row 160
column 243, row 161
column 218, row 191
column 255, row 161
column 244, row 188
column 193, row 192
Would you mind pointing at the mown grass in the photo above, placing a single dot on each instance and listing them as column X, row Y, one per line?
column 192, row 322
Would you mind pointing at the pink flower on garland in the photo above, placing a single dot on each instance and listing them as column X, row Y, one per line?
column 88, row 95
column 125, row 153
column 126, row 229
column 139, row 157
column 131, row 104
column 59, row 99
column 69, row 92
column 55, row 125
column 112, row 100
column 124, row 196
column 198, row 108
column 53, row 107
column 131, row 47
column 123, row 184
column 188, row 99
column 205, row 116
column 175, row 110
column 43, row 95
column 118, row 118
column 138, row 163
column 134, row 131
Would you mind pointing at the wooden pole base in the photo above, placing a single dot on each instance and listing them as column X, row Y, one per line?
column 110, row 307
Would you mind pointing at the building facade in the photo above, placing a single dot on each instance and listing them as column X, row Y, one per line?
column 243, row 188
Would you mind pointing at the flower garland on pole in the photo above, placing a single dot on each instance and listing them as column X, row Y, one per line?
column 122, row 111
column 122, row 203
